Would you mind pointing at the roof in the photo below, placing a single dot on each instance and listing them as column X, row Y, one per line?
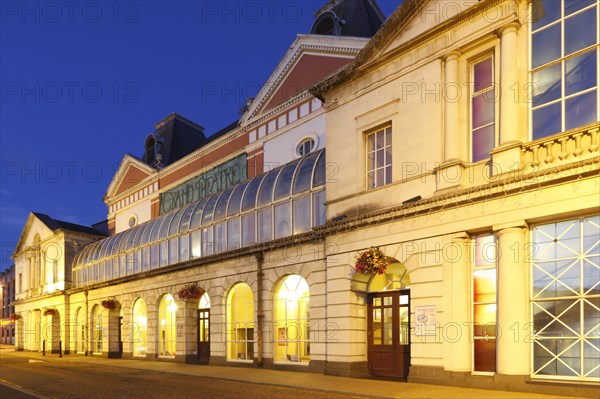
column 356, row 18
column 54, row 225
column 380, row 40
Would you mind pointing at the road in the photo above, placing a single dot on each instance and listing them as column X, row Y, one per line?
column 25, row 378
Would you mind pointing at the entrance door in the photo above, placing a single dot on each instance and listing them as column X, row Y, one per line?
column 120, row 337
column 203, row 335
column 389, row 333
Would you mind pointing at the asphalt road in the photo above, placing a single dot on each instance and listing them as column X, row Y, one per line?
column 22, row 378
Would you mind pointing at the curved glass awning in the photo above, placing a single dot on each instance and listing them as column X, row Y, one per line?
column 287, row 200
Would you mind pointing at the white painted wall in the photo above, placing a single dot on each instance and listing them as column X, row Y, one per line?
column 281, row 148
column 141, row 211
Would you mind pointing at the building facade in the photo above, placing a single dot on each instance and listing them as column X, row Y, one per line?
column 7, row 311
column 458, row 147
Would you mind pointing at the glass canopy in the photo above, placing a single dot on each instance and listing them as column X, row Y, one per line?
column 284, row 201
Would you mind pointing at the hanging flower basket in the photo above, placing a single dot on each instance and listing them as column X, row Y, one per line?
column 50, row 312
column 190, row 291
column 372, row 261
column 109, row 304
column 14, row 317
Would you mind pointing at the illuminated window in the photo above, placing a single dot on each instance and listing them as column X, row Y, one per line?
column 97, row 335
column 566, row 299
column 379, row 157
column 140, row 328
column 291, row 321
column 240, row 323
column 564, row 66
column 483, row 113
column 484, row 303
column 167, row 327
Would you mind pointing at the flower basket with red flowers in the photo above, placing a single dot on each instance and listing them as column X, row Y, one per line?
column 190, row 291
column 371, row 261
column 14, row 317
column 109, row 304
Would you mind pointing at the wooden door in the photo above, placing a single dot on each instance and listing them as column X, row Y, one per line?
column 389, row 333
column 203, row 336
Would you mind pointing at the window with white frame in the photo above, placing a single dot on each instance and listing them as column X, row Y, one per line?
column 379, row 157
column 483, row 108
column 564, row 66
column 565, row 299
column 305, row 147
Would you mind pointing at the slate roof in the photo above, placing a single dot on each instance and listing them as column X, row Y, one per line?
column 54, row 225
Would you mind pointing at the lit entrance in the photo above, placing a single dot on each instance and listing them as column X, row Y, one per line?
column 388, row 321
column 204, row 329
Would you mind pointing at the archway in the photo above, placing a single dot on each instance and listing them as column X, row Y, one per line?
column 204, row 329
column 140, row 328
column 388, row 322
column 291, row 321
column 97, row 335
column 115, row 331
column 167, row 327
column 240, row 323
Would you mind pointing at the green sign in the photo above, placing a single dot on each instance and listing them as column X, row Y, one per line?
column 219, row 178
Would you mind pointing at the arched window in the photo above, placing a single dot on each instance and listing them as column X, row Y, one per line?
column 140, row 328
column 96, row 324
column 79, row 331
column 395, row 278
column 240, row 323
column 167, row 329
column 291, row 321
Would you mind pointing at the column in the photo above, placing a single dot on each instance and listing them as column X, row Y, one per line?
column 451, row 110
column 457, row 354
column 507, row 157
column 510, row 131
column 512, row 352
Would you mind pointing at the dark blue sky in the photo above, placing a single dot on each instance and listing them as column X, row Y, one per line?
column 83, row 83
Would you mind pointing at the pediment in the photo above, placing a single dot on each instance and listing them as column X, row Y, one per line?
column 308, row 60
column 33, row 226
column 131, row 172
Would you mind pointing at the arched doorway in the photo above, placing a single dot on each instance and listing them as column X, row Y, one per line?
column 388, row 322
column 97, row 335
column 167, row 327
column 240, row 323
column 291, row 321
column 204, row 329
column 140, row 328
column 79, row 331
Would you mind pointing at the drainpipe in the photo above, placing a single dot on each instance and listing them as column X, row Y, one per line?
column 87, row 323
column 259, row 314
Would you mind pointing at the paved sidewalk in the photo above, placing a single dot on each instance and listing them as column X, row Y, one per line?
column 371, row 387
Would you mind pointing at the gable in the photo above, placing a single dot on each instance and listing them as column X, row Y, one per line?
column 132, row 176
column 430, row 14
column 308, row 70
column 32, row 227
column 308, row 60
column 131, row 172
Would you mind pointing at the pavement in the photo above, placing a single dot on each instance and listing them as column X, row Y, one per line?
column 370, row 387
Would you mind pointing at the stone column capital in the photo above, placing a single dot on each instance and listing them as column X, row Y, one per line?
column 509, row 28
column 452, row 56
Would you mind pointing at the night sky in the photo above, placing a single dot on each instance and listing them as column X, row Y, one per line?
column 83, row 83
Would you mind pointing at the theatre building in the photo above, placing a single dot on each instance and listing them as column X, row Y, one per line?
column 467, row 147
column 420, row 203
